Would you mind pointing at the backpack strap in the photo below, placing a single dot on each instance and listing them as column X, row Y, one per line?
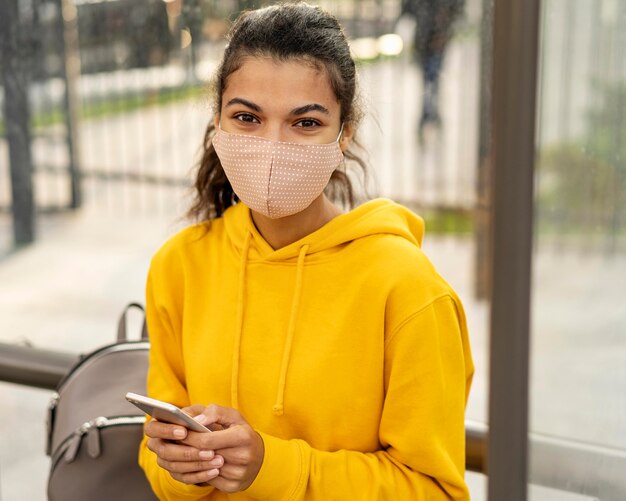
column 121, row 326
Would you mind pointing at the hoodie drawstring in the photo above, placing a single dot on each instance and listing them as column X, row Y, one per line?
column 234, row 382
column 280, row 396
column 278, row 407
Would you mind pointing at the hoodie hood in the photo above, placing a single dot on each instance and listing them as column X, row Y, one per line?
column 372, row 218
column 380, row 216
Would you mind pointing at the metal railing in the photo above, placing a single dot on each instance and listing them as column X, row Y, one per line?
column 44, row 369
column 33, row 366
column 555, row 463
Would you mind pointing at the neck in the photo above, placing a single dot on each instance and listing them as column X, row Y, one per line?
column 286, row 230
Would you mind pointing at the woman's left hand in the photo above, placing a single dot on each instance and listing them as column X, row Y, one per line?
column 234, row 439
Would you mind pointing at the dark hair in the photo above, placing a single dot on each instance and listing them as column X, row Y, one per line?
column 284, row 32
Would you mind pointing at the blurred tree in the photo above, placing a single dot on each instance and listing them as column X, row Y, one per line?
column 583, row 184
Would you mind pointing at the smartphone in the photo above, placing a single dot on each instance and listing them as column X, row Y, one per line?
column 165, row 412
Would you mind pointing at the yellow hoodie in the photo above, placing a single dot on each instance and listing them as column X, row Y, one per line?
column 345, row 350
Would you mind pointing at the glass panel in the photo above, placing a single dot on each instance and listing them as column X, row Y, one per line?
column 578, row 377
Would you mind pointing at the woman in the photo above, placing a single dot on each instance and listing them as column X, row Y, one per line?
column 321, row 346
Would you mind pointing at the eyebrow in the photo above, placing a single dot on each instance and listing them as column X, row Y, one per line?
column 245, row 102
column 300, row 110
column 307, row 108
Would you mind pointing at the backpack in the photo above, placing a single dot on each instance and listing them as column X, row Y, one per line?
column 93, row 432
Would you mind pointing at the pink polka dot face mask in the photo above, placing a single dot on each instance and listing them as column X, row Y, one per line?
column 276, row 178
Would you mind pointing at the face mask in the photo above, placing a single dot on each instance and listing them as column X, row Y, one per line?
column 276, row 178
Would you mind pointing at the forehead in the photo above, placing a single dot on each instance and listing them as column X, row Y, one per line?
column 269, row 82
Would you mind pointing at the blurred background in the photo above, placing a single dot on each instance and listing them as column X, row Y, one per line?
column 104, row 105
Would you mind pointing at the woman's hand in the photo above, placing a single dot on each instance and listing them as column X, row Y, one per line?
column 185, row 463
column 235, row 441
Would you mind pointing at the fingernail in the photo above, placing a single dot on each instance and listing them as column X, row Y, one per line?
column 179, row 433
column 200, row 418
column 212, row 473
column 206, row 454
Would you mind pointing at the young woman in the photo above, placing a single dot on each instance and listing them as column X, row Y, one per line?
column 322, row 347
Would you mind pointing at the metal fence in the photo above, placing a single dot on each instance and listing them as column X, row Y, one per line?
column 107, row 104
column 112, row 104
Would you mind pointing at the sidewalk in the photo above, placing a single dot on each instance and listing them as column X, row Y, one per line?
column 64, row 293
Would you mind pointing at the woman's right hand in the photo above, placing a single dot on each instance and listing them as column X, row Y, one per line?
column 184, row 462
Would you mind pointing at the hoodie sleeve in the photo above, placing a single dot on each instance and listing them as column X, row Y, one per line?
column 166, row 380
column 428, row 370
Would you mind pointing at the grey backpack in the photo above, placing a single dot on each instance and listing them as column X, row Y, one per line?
column 93, row 432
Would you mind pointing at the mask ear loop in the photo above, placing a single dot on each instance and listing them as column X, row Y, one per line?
column 340, row 133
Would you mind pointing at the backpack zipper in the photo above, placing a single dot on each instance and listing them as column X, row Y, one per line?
column 70, row 446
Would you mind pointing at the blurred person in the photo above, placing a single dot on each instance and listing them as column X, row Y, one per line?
column 320, row 345
column 434, row 26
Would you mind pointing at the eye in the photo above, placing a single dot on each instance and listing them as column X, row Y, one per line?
column 247, row 117
column 307, row 123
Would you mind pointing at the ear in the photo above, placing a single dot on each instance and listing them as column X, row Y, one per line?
column 346, row 136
